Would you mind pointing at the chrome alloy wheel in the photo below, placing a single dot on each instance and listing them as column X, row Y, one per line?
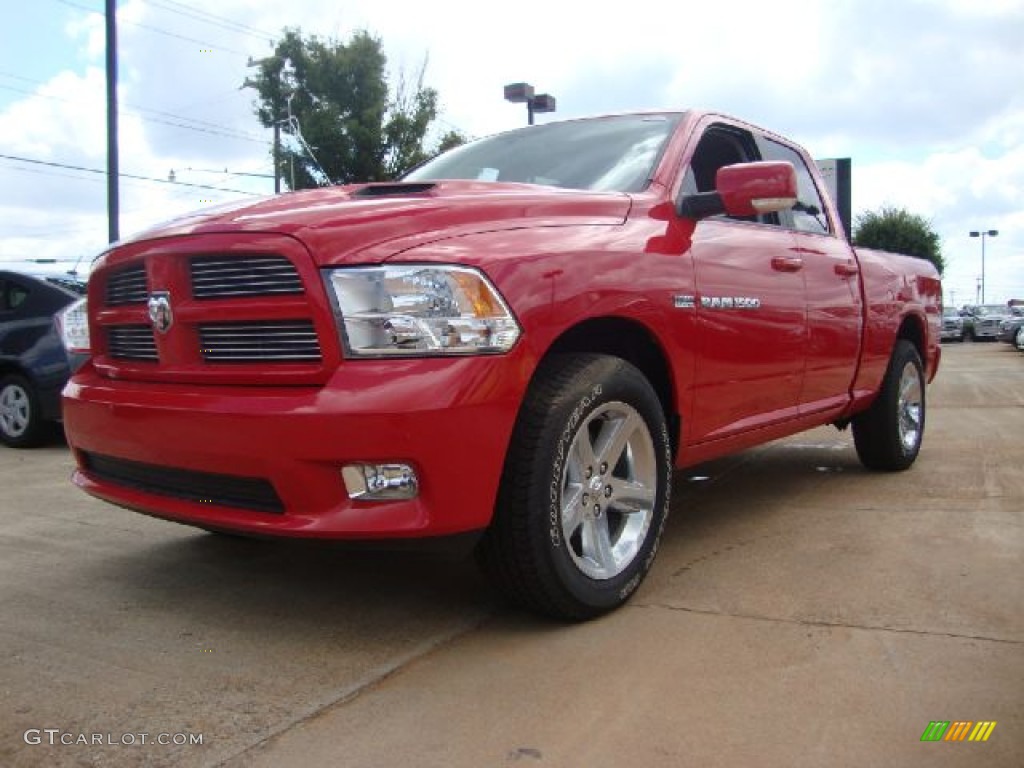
column 910, row 407
column 15, row 410
column 608, row 490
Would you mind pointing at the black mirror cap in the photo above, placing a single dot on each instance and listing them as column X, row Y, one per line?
column 702, row 205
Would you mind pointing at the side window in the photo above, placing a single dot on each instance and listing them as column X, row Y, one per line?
column 718, row 147
column 808, row 215
column 14, row 295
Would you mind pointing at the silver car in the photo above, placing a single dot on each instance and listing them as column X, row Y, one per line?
column 952, row 325
column 987, row 320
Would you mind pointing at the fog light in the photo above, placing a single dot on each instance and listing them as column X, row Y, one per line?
column 380, row 482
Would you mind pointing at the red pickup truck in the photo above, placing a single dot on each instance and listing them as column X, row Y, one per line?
column 522, row 339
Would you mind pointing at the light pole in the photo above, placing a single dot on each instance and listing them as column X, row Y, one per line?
column 519, row 93
column 983, row 234
column 113, row 161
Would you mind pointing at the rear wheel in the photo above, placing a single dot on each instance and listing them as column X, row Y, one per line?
column 888, row 435
column 585, row 490
column 21, row 418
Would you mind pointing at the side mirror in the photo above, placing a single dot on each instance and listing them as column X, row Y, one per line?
column 745, row 189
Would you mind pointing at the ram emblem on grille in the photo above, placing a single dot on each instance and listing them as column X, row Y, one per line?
column 160, row 313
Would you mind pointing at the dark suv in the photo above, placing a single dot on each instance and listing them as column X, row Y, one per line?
column 34, row 362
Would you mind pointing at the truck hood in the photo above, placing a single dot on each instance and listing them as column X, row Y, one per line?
column 372, row 222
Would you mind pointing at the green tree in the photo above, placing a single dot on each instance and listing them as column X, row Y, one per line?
column 334, row 100
column 899, row 231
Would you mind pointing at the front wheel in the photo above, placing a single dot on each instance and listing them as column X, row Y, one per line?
column 888, row 435
column 21, row 418
column 585, row 489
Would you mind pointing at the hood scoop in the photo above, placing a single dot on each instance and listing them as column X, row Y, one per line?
column 393, row 189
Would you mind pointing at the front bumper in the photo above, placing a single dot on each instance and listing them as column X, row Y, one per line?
column 1009, row 334
column 180, row 451
column 986, row 330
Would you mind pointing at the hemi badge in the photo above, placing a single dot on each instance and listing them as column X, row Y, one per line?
column 684, row 302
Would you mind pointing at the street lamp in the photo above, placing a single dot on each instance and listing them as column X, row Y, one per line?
column 519, row 93
column 983, row 234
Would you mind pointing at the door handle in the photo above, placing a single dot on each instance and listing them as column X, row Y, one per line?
column 787, row 263
column 849, row 269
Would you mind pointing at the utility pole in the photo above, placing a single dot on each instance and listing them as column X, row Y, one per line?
column 277, row 122
column 113, row 170
column 277, row 157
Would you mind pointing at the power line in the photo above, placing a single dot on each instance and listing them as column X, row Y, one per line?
column 33, row 81
column 125, row 175
column 22, row 231
column 158, row 30
column 212, row 19
column 214, row 128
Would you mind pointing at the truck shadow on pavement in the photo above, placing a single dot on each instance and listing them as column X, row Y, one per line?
column 284, row 588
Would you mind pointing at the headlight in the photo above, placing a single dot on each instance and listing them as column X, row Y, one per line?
column 422, row 310
column 73, row 324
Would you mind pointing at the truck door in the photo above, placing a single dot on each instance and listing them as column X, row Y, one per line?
column 750, row 304
column 834, row 305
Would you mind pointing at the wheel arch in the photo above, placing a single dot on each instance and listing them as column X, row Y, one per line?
column 633, row 342
column 913, row 330
column 9, row 367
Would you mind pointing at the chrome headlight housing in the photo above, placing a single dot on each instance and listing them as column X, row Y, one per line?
column 419, row 311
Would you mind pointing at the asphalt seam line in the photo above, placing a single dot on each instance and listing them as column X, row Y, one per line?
column 831, row 624
column 349, row 693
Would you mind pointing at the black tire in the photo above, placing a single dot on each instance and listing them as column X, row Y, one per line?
column 21, row 418
column 565, row 543
column 888, row 435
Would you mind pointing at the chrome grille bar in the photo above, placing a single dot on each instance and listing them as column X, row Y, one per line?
column 131, row 342
column 127, row 286
column 230, row 277
column 255, row 341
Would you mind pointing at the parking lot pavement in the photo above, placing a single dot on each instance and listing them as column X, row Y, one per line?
column 802, row 612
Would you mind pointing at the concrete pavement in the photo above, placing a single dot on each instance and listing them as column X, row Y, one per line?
column 802, row 612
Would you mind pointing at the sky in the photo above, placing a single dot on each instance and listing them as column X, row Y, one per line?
column 924, row 96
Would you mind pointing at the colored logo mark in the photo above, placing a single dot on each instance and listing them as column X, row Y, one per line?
column 958, row 730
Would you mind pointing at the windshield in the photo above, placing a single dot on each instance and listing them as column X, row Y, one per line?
column 69, row 283
column 605, row 154
column 991, row 309
column 951, row 312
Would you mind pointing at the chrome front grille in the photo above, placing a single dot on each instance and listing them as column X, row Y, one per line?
column 127, row 286
column 225, row 277
column 285, row 341
column 240, row 312
column 131, row 342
